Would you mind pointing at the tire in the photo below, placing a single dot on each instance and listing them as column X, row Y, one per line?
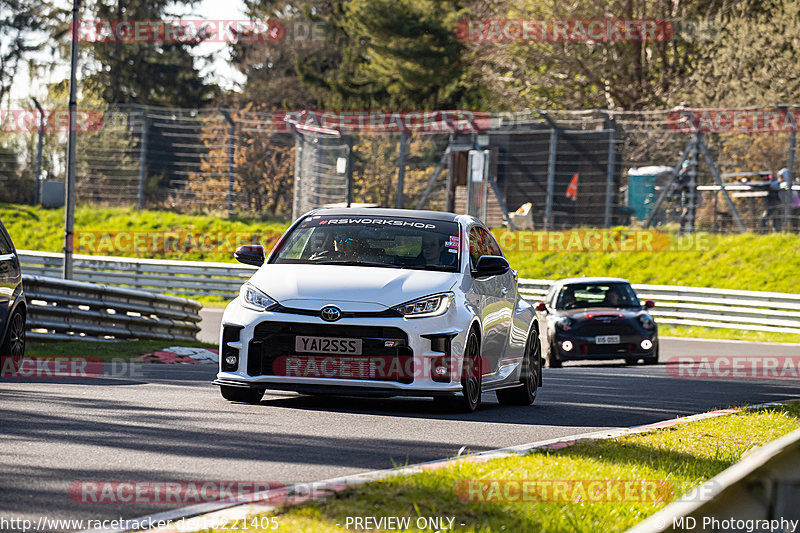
column 241, row 394
column 525, row 393
column 631, row 360
column 471, row 380
column 13, row 346
column 552, row 359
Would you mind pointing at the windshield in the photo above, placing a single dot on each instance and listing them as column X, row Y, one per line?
column 582, row 295
column 391, row 242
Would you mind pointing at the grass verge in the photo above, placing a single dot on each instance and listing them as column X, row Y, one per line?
column 679, row 458
column 741, row 261
column 105, row 351
column 36, row 228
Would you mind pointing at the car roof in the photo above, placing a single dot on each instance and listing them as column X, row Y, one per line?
column 570, row 281
column 378, row 211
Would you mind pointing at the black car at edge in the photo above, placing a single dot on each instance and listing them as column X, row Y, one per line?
column 13, row 307
column 596, row 318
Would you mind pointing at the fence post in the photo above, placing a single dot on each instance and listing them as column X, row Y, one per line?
column 687, row 225
column 401, row 170
column 38, row 180
column 349, row 173
column 142, row 158
column 551, row 180
column 450, row 204
column 787, row 206
column 612, row 159
column 231, row 149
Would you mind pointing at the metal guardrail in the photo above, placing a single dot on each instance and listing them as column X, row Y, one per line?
column 70, row 310
column 193, row 278
column 764, row 486
column 709, row 307
column 688, row 306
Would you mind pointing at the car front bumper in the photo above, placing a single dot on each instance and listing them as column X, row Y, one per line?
column 257, row 363
column 586, row 347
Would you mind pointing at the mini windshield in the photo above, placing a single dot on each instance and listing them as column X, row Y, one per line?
column 581, row 295
column 391, row 242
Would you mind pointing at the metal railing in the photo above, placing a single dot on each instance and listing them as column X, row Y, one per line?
column 688, row 306
column 709, row 307
column 763, row 486
column 192, row 278
column 74, row 310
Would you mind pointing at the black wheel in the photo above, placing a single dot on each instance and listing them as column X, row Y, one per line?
column 631, row 360
column 241, row 394
column 525, row 393
column 470, row 397
column 552, row 358
column 13, row 347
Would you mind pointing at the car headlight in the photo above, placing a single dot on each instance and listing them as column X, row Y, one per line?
column 646, row 321
column 433, row 305
column 564, row 323
column 254, row 299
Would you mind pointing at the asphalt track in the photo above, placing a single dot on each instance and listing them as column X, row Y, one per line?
column 167, row 422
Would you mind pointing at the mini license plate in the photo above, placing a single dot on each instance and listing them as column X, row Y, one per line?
column 607, row 339
column 333, row 345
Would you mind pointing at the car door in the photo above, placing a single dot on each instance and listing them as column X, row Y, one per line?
column 497, row 295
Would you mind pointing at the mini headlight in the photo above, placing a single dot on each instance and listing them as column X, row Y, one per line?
column 646, row 321
column 433, row 305
column 564, row 323
column 253, row 298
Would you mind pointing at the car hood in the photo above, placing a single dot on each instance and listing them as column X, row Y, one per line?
column 308, row 286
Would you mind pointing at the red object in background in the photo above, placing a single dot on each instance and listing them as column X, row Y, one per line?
column 572, row 189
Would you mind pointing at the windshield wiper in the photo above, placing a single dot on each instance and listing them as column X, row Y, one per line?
column 356, row 263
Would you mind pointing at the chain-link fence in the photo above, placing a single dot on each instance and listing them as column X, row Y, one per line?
column 574, row 168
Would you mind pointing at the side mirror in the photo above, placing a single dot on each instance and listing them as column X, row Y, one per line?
column 250, row 254
column 649, row 303
column 541, row 307
column 491, row 265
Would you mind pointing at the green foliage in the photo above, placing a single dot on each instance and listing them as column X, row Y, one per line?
column 19, row 22
column 749, row 57
column 747, row 261
column 161, row 74
column 121, row 351
column 394, row 55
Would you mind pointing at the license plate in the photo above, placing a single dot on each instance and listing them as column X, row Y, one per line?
column 333, row 345
column 607, row 339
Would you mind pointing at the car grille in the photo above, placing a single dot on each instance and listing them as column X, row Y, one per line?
column 587, row 329
column 274, row 340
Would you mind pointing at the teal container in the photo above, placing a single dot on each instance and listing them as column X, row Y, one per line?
column 641, row 193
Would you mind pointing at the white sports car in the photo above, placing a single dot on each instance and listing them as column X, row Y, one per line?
column 381, row 302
